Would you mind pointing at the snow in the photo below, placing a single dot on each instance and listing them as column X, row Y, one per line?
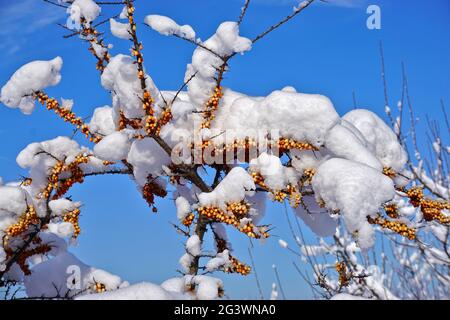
column 119, row 29
column 194, row 246
column 346, row 296
column 124, row 13
column 139, row 291
column 166, row 26
column 356, row 190
column 60, row 148
column 120, row 77
column 183, row 208
column 86, row 9
column 274, row 292
column 65, row 267
column 62, row 229
column 225, row 41
column 300, row 116
column 99, row 50
column 66, row 104
column 113, row 147
column 147, row 157
column 343, row 143
column 348, row 178
column 233, row 188
column 207, row 287
column 221, row 260
column 186, row 261
column 61, row 206
column 12, row 199
column 31, row 77
column 283, row 244
column 377, row 133
column 275, row 175
column 102, row 121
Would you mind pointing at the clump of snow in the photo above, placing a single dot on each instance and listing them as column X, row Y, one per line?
column 64, row 275
column 274, row 292
column 114, row 147
column 102, row 121
column 119, row 29
column 186, row 261
column 61, row 229
column 221, row 260
column 207, row 288
column 342, row 142
column 377, row 133
column 120, row 78
column 276, row 176
column 60, row 148
column 61, row 206
column 347, row 296
column 225, row 41
column 282, row 243
column 356, row 190
column 233, row 188
column 183, row 208
column 31, row 77
column 166, row 26
column 66, row 104
column 138, row 291
column 86, row 9
column 13, row 203
column 147, row 158
column 194, row 246
column 124, row 13
column 300, row 116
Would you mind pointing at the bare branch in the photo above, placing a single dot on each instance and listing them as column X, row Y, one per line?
column 299, row 9
column 243, row 12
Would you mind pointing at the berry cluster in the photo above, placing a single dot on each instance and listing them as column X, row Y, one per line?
column 63, row 185
column 431, row 209
column 53, row 180
column 124, row 122
column 285, row 144
column 73, row 218
column 28, row 218
column 395, row 226
column 344, row 277
column 259, row 180
column 391, row 210
column 99, row 287
column 189, row 219
column 229, row 218
column 211, row 106
column 389, row 172
column 92, row 35
column 238, row 267
column 150, row 190
column 67, row 116
column 308, row 174
column 291, row 191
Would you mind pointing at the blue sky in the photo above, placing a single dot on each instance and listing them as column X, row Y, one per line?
column 327, row 49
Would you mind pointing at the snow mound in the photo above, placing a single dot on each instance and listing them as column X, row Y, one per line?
column 356, row 190
column 166, row 26
column 31, row 77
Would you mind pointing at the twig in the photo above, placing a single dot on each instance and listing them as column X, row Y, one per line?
column 243, row 12
column 301, row 7
column 258, row 284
